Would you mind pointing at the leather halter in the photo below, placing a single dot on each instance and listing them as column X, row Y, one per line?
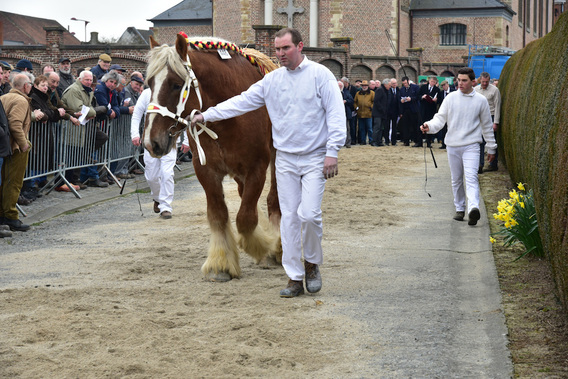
column 190, row 81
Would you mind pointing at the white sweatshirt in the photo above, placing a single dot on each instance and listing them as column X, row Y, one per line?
column 139, row 112
column 468, row 118
column 305, row 107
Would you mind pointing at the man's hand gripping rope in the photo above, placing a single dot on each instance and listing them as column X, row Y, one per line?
column 196, row 120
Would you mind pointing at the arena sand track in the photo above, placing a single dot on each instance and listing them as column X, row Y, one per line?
column 114, row 291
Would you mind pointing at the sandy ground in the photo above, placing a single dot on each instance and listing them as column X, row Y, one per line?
column 113, row 291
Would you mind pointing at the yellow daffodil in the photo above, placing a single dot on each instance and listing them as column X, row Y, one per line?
column 492, row 240
column 521, row 186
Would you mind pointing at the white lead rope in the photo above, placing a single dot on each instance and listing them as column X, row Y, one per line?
column 195, row 135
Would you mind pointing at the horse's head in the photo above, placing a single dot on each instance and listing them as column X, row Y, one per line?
column 169, row 77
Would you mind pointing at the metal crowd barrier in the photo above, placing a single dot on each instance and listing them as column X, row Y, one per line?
column 61, row 146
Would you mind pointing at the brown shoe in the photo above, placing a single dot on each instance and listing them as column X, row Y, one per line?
column 166, row 215
column 459, row 216
column 156, row 207
column 294, row 288
column 313, row 277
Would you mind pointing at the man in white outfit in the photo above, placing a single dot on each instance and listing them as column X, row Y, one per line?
column 308, row 129
column 468, row 117
column 159, row 172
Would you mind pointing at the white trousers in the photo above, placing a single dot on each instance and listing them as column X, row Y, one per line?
column 464, row 162
column 300, row 183
column 159, row 173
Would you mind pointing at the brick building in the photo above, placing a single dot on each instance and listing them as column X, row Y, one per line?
column 351, row 38
column 432, row 35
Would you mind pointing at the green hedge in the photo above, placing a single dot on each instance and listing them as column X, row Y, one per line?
column 533, row 137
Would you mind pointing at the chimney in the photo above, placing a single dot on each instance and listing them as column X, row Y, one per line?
column 94, row 38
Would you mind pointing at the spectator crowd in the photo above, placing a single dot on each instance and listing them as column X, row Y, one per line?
column 104, row 92
column 378, row 113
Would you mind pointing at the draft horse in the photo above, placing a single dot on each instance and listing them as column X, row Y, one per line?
column 192, row 75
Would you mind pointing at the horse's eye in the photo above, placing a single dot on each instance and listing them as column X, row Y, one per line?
column 176, row 87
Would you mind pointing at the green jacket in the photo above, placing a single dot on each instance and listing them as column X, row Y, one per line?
column 75, row 96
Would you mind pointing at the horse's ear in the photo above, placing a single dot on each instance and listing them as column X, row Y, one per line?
column 181, row 46
column 153, row 42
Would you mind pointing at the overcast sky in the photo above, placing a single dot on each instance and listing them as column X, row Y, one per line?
column 109, row 18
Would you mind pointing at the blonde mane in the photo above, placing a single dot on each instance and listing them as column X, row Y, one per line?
column 163, row 56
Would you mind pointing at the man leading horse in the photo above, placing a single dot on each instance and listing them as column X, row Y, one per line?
column 308, row 129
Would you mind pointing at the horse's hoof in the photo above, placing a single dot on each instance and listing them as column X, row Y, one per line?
column 219, row 277
column 269, row 262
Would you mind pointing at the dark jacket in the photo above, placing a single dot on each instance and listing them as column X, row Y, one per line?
column 98, row 72
column 380, row 105
column 105, row 97
column 442, row 95
column 353, row 90
column 5, row 149
column 65, row 80
column 348, row 103
column 5, row 88
column 428, row 108
column 393, row 107
column 55, row 100
column 129, row 93
column 412, row 105
column 40, row 101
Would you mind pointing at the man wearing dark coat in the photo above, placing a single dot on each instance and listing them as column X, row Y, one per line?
column 380, row 113
column 429, row 104
column 409, row 113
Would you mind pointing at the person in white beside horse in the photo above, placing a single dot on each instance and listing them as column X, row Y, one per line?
column 159, row 172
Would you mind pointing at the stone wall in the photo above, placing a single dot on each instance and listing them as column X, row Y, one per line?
column 131, row 57
column 534, row 138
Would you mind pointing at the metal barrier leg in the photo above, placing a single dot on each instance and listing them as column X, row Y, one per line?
column 109, row 172
column 21, row 210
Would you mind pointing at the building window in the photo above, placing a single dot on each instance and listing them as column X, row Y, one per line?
column 521, row 8
column 507, row 36
column 535, row 16
column 547, row 12
column 452, row 34
column 528, row 17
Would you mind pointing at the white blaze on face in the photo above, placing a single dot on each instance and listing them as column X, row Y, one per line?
column 158, row 81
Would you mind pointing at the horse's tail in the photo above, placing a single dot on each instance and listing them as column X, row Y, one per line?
column 262, row 61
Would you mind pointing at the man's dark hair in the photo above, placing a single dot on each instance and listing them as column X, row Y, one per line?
column 485, row 75
column 467, row 71
column 296, row 36
column 404, row 79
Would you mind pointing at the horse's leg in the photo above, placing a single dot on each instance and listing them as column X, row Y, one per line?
column 253, row 239
column 222, row 262
column 274, row 213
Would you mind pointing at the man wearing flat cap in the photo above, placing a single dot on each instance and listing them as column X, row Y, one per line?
column 65, row 76
column 103, row 67
column 24, row 65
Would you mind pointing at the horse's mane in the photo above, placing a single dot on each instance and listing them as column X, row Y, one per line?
column 166, row 55
column 162, row 56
